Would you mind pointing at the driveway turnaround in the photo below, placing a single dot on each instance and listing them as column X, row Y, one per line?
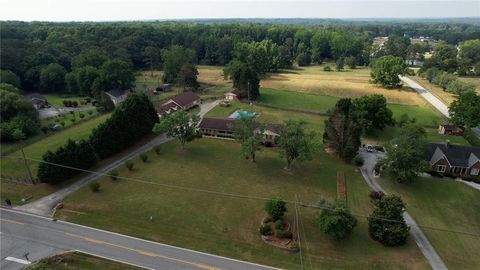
column 60, row 235
column 437, row 103
column 370, row 159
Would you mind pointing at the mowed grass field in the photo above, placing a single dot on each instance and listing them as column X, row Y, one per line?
column 78, row 261
column 449, row 205
column 227, row 225
column 425, row 116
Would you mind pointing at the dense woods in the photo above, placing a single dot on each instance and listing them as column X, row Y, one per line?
column 69, row 57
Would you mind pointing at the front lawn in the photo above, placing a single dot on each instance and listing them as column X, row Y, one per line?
column 450, row 206
column 228, row 225
column 57, row 99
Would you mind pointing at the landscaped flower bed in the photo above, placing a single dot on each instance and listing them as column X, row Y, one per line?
column 279, row 234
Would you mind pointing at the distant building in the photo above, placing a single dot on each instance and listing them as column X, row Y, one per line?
column 184, row 101
column 37, row 100
column 450, row 130
column 231, row 97
column 456, row 159
column 117, row 96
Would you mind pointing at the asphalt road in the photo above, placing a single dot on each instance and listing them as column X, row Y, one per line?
column 437, row 103
column 436, row 262
column 44, row 206
column 31, row 233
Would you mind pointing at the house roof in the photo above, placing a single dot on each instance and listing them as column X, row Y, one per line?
column 457, row 155
column 36, row 96
column 218, row 123
column 276, row 128
column 185, row 98
column 167, row 107
column 116, row 92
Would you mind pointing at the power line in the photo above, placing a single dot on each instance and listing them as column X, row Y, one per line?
column 234, row 195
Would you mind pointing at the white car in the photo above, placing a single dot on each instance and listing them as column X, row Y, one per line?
column 369, row 148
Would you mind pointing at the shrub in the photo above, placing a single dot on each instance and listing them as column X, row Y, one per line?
column 468, row 178
column 386, row 224
column 283, row 234
column 157, row 149
column 279, row 224
column 113, row 175
column 75, row 103
column 276, row 208
column 376, row 195
column 129, row 165
column 144, row 157
column 90, row 112
column 358, row 161
column 265, row 229
column 379, row 148
column 476, row 180
column 81, row 115
column 327, row 68
column 335, row 220
column 94, row 186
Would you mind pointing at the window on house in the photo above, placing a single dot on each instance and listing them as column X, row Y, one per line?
column 441, row 168
column 475, row 171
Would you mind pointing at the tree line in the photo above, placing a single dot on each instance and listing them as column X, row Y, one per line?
column 79, row 57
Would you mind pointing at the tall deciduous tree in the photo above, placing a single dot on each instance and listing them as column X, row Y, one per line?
column 386, row 69
column 187, row 77
column 180, row 125
column 152, row 57
column 373, row 113
column 249, row 135
column 245, row 79
column 342, row 130
column 335, row 219
column 406, row 153
column 465, row 110
column 173, row 59
column 295, row 143
column 386, row 224
column 52, row 78
column 7, row 76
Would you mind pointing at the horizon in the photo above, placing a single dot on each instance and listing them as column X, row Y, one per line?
column 167, row 10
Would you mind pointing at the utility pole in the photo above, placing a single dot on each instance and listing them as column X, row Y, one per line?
column 26, row 165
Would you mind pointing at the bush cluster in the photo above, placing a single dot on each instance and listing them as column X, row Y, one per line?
column 133, row 119
column 70, row 103
column 77, row 155
column 265, row 229
column 283, row 234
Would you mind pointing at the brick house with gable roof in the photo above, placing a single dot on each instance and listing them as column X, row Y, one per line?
column 455, row 159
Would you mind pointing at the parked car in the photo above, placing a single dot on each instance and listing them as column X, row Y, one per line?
column 369, row 148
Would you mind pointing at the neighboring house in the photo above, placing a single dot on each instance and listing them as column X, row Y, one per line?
column 225, row 128
column 218, row 127
column 117, row 96
column 271, row 133
column 231, row 97
column 455, row 159
column 449, row 130
column 37, row 100
column 184, row 101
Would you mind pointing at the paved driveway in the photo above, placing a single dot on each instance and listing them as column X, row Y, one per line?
column 437, row 103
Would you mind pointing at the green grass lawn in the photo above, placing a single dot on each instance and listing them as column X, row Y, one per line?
column 448, row 205
column 78, row 261
column 57, row 99
column 226, row 225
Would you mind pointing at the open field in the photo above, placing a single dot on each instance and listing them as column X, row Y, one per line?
column 228, row 225
column 444, row 96
column 445, row 204
column 78, row 261
column 348, row 83
column 36, row 150
column 425, row 116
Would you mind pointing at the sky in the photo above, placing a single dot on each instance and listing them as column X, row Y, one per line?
column 115, row 10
